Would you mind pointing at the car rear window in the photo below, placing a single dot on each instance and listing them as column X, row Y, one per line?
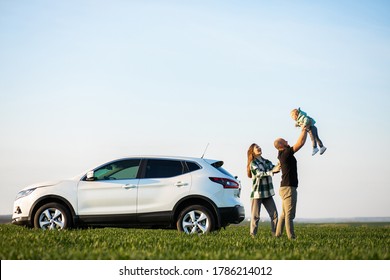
column 224, row 171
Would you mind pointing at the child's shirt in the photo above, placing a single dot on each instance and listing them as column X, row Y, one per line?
column 304, row 120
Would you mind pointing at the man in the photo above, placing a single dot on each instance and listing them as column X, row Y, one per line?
column 289, row 183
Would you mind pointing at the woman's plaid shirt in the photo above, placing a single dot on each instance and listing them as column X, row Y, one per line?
column 261, row 180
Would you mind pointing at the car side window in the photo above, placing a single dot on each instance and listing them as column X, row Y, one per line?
column 160, row 168
column 192, row 166
column 118, row 170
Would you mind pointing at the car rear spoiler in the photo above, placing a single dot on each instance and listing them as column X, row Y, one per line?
column 215, row 163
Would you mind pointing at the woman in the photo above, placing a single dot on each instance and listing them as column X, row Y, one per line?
column 261, row 171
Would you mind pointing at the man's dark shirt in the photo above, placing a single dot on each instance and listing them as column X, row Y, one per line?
column 289, row 167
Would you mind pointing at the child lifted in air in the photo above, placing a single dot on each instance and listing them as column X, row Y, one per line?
column 304, row 121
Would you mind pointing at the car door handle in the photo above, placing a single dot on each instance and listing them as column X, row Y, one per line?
column 181, row 184
column 129, row 186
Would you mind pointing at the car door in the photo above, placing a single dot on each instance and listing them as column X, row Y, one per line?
column 111, row 192
column 162, row 185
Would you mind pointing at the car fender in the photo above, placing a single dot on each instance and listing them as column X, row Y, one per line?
column 52, row 198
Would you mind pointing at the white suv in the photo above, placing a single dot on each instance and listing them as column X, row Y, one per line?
column 194, row 194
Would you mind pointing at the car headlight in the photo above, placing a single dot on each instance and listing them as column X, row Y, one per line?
column 24, row 193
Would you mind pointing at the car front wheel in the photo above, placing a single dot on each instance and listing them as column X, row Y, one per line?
column 52, row 216
column 195, row 219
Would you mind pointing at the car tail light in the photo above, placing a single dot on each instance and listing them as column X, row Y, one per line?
column 226, row 183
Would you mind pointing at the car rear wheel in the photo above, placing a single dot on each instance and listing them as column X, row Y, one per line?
column 52, row 216
column 195, row 219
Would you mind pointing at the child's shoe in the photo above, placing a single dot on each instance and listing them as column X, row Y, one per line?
column 322, row 150
column 315, row 150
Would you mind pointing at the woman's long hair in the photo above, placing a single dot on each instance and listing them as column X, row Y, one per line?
column 251, row 157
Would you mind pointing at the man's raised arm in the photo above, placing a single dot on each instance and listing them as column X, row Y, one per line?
column 301, row 141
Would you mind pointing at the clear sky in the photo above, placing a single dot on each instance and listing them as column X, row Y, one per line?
column 84, row 82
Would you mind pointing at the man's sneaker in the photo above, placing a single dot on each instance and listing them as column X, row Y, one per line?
column 315, row 150
column 322, row 150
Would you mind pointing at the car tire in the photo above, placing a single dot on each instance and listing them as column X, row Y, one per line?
column 195, row 219
column 52, row 216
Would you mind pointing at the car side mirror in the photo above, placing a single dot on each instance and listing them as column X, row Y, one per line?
column 91, row 176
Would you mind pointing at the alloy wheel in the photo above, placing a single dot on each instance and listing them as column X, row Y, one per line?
column 196, row 221
column 51, row 219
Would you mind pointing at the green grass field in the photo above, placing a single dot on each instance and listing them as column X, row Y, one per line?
column 314, row 242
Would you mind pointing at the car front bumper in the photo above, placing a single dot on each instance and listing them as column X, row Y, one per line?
column 21, row 221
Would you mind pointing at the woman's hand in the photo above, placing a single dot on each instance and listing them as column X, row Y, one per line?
column 276, row 169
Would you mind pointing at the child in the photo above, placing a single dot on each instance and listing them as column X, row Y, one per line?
column 304, row 121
